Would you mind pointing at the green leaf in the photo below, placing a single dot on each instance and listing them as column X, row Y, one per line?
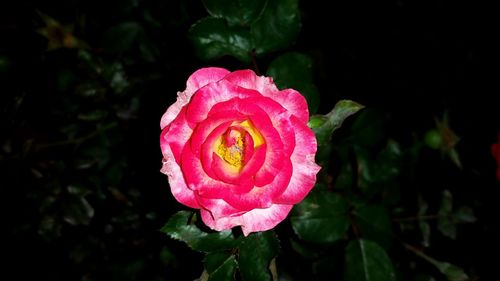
column 370, row 127
column 294, row 70
column 321, row 218
column 277, row 27
column 256, row 254
column 236, row 12
column 378, row 173
column 304, row 250
column 464, row 215
column 452, row 272
column 181, row 227
column 424, row 226
column 445, row 223
column 374, row 224
column 213, row 38
column 290, row 69
column 324, row 125
column 93, row 115
column 367, row 261
column 220, row 266
column 77, row 210
column 121, row 37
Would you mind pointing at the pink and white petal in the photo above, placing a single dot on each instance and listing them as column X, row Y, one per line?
column 262, row 197
column 204, row 76
column 226, row 173
column 304, row 166
column 294, row 102
column 248, row 149
column 251, row 221
column 197, row 80
column 207, row 127
column 206, row 153
column 264, row 219
column 216, row 223
column 248, row 79
column 290, row 99
column 207, row 97
column 176, row 180
column 255, row 162
column 280, row 120
column 199, row 181
column 274, row 149
column 176, row 135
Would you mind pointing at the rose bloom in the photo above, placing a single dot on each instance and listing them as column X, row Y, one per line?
column 238, row 149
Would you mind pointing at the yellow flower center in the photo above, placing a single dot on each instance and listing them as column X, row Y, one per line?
column 231, row 146
column 233, row 154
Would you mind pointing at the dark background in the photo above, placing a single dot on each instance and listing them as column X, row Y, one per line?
column 409, row 61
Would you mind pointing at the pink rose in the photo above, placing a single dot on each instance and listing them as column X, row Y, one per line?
column 238, row 149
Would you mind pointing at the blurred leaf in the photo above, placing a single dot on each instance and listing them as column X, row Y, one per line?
column 236, row 12
column 445, row 222
column 255, row 256
column 77, row 210
column 115, row 74
column 65, row 79
column 91, row 89
column 294, row 70
column 49, row 227
column 379, row 173
column 424, row 226
column 220, row 266
column 455, row 158
column 464, row 215
column 374, row 223
column 322, row 217
column 366, row 261
column 324, row 125
column 121, row 37
column 181, row 227
column 167, row 258
column 78, row 190
column 369, row 127
column 277, row 27
column 304, row 250
column 213, row 38
column 345, row 178
column 452, row 272
column 93, row 115
column 290, row 69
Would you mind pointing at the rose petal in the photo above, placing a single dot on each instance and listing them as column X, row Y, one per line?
column 280, row 120
column 176, row 135
column 213, row 94
column 290, row 99
column 176, row 181
column 261, row 197
column 207, row 149
column 198, row 180
column 244, row 177
column 198, row 79
column 304, row 167
column 294, row 102
column 252, row 221
column 205, row 128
